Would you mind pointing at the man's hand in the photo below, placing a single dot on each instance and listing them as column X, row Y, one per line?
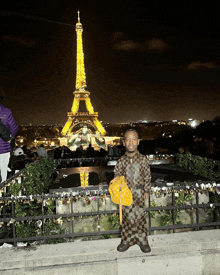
column 146, row 196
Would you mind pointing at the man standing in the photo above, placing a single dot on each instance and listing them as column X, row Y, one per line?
column 42, row 151
column 7, row 119
column 135, row 168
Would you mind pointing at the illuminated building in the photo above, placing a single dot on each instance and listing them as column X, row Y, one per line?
column 77, row 121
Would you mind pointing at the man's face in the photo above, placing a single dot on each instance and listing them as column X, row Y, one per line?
column 131, row 141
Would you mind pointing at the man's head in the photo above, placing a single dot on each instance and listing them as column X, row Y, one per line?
column 131, row 141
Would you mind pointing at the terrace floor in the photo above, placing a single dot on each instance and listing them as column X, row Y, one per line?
column 188, row 253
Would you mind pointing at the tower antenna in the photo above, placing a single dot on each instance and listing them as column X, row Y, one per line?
column 78, row 16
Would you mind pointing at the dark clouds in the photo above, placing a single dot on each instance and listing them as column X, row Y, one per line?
column 19, row 40
column 197, row 65
column 153, row 44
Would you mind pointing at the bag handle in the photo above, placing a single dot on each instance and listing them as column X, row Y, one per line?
column 120, row 204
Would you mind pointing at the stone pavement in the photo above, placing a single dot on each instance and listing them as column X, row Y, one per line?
column 191, row 253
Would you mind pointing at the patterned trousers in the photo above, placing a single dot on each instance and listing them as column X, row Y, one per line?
column 134, row 225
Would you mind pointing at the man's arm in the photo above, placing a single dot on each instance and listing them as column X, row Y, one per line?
column 118, row 171
column 147, row 177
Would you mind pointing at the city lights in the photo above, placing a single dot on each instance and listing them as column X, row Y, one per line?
column 193, row 123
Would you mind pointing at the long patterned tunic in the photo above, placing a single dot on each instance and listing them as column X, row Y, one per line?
column 137, row 173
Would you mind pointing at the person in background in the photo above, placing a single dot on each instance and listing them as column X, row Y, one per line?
column 135, row 168
column 8, row 121
column 90, row 152
column 35, row 156
column 58, row 152
column 42, row 151
column 67, row 152
column 27, row 151
column 102, row 152
column 19, row 160
column 110, row 151
column 117, row 151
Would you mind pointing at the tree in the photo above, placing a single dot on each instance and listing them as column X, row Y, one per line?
column 206, row 130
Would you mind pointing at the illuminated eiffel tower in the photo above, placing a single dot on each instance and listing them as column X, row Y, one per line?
column 76, row 119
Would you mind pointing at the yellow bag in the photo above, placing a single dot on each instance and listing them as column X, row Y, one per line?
column 114, row 188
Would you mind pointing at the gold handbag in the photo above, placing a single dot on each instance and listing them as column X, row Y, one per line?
column 120, row 193
column 114, row 190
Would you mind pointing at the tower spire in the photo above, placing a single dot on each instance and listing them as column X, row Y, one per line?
column 80, row 67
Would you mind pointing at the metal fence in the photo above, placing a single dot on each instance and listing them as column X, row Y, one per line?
column 9, row 220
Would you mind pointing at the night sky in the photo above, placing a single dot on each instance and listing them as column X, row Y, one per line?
column 144, row 61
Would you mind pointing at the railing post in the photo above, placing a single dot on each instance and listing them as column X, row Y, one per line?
column 13, row 224
column 149, row 215
column 71, row 202
column 43, row 225
column 197, row 211
column 98, row 215
column 173, row 210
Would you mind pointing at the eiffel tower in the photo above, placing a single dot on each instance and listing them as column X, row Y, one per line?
column 76, row 119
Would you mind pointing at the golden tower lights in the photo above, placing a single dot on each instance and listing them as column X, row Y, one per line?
column 75, row 117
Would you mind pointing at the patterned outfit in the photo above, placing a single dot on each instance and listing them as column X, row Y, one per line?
column 137, row 173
